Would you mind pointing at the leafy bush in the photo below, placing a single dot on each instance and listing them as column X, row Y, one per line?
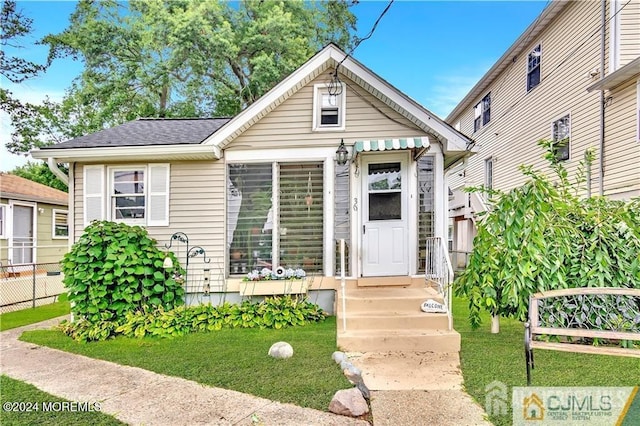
column 544, row 236
column 275, row 312
column 115, row 268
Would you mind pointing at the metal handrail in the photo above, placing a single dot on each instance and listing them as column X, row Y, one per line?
column 438, row 269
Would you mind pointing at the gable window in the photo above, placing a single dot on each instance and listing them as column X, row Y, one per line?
column 533, row 68
column 134, row 194
column 60, row 224
column 488, row 173
column 561, row 138
column 3, row 220
column 328, row 108
column 482, row 113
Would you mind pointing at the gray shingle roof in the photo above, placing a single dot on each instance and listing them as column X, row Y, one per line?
column 149, row 131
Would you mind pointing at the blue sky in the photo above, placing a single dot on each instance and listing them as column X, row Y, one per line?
column 433, row 51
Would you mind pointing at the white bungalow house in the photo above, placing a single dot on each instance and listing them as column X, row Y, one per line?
column 268, row 187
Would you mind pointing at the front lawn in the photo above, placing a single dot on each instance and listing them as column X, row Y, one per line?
column 230, row 358
column 486, row 357
column 27, row 405
column 28, row 316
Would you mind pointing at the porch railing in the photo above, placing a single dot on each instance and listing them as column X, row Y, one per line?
column 439, row 272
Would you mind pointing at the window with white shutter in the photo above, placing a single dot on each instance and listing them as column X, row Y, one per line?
column 93, row 194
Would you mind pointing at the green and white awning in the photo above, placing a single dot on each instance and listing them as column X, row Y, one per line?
column 391, row 144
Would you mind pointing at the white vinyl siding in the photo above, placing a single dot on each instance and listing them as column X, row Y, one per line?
column 94, row 194
column 629, row 32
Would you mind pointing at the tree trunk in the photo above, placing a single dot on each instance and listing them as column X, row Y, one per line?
column 495, row 324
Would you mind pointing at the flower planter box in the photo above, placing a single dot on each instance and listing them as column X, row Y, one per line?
column 273, row 287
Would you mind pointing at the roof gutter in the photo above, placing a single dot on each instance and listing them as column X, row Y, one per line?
column 53, row 166
column 131, row 153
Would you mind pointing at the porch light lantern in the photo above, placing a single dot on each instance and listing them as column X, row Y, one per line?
column 342, row 154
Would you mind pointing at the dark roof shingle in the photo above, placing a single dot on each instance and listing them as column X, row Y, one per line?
column 149, row 131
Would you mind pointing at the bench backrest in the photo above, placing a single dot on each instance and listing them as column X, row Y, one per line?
column 593, row 312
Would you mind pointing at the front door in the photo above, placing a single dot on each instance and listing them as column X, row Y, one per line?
column 23, row 236
column 384, row 231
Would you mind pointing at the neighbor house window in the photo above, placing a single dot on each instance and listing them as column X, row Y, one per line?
column 482, row 113
column 3, row 220
column 533, row 67
column 561, row 138
column 275, row 216
column 60, row 224
column 488, row 173
column 328, row 108
column 136, row 194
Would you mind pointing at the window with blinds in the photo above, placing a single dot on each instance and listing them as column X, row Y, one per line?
column 301, row 216
column 342, row 218
column 425, row 207
column 250, row 217
column 296, row 220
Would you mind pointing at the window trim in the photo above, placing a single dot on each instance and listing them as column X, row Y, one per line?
column 638, row 110
column 318, row 91
column 614, row 35
column 489, row 177
column 539, row 67
column 3, row 224
column 109, row 193
column 481, row 121
column 53, row 224
column 553, row 140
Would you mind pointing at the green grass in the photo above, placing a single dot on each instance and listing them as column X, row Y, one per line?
column 486, row 357
column 15, row 391
column 230, row 358
column 28, row 316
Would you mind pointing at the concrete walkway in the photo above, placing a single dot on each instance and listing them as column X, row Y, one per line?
column 141, row 397
column 407, row 389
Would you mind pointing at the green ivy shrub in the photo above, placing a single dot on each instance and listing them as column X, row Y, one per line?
column 274, row 312
column 115, row 268
column 546, row 235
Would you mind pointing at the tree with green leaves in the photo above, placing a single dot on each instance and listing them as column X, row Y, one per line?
column 179, row 58
column 543, row 235
column 40, row 172
column 13, row 31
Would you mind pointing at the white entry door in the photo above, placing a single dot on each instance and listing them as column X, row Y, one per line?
column 385, row 248
column 23, row 237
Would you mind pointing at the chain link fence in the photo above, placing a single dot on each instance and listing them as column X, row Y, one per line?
column 29, row 285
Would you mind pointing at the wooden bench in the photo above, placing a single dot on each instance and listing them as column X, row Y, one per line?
column 571, row 316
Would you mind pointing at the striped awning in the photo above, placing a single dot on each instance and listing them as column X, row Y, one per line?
column 391, row 144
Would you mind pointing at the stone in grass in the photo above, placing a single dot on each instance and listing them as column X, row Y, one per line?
column 338, row 357
column 345, row 364
column 363, row 389
column 281, row 350
column 353, row 374
column 349, row 402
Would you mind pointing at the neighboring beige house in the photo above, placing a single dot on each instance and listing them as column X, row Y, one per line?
column 268, row 188
column 572, row 76
column 33, row 222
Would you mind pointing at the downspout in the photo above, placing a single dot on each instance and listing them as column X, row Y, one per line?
column 603, row 24
column 53, row 166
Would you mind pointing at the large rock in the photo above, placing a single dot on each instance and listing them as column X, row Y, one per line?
column 349, row 402
column 353, row 374
column 281, row 350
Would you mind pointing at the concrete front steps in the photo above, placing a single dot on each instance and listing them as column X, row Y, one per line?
column 384, row 316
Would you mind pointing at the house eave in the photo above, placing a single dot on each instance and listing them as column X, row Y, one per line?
column 33, row 198
column 618, row 77
column 528, row 37
column 130, row 153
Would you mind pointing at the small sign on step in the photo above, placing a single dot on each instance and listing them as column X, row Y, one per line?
column 431, row 306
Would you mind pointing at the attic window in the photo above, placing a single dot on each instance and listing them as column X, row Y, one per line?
column 328, row 109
